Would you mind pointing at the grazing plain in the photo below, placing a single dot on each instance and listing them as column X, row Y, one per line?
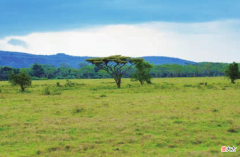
column 170, row 117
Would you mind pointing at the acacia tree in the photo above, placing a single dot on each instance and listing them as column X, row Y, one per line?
column 232, row 72
column 114, row 65
column 22, row 79
column 142, row 73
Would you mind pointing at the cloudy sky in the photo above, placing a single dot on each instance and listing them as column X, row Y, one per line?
column 197, row 30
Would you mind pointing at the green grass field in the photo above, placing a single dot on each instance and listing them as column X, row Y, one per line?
column 171, row 117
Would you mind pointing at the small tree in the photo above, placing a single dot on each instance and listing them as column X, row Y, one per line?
column 143, row 72
column 114, row 65
column 22, row 79
column 232, row 72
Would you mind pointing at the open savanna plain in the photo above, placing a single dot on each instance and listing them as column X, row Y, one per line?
column 170, row 117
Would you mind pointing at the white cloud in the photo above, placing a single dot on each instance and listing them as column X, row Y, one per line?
column 217, row 41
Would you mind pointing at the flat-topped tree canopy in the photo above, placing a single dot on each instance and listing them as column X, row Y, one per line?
column 118, row 59
column 114, row 65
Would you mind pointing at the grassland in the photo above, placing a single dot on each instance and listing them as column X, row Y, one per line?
column 171, row 117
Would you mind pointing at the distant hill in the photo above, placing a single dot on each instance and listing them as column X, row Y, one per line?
column 158, row 60
column 24, row 60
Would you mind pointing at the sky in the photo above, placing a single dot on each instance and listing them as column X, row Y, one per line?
column 196, row 30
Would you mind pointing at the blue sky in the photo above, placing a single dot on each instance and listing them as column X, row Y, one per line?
column 20, row 19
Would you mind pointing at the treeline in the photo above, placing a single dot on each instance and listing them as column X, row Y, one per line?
column 86, row 71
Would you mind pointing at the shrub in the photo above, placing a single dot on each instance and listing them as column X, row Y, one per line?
column 69, row 84
column 103, row 95
column 187, row 85
column 205, row 84
column 58, row 84
column 214, row 110
column 129, row 85
column 232, row 130
column 56, row 92
column 46, row 91
column 77, row 110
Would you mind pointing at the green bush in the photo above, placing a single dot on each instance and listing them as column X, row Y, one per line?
column 187, row 85
column 58, row 84
column 56, row 92
column 78, row 110
column 214, row 110
column 46, row 91
column 103, row 95
column 69, row 84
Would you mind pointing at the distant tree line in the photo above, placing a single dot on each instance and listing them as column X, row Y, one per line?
column 87, row 71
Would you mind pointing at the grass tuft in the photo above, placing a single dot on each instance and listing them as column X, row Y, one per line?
column 103, row 95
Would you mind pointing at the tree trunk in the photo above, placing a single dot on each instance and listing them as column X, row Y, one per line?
column 118, row 81
column 118, row 84
column 232, row 80
column 22, row 88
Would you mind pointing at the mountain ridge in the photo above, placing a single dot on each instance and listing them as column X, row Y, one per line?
column 24, row 60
